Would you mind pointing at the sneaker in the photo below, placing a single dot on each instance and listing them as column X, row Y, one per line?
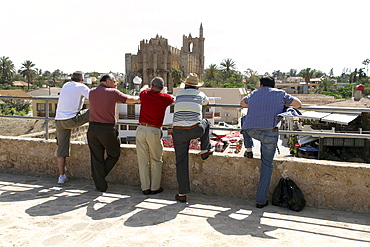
column 62, row 179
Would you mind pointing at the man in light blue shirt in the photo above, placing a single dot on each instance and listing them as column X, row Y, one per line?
column 264, row 104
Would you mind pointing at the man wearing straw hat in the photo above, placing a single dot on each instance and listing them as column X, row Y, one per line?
column 188, row 124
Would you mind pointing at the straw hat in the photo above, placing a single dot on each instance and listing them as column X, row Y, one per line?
column 193, row 80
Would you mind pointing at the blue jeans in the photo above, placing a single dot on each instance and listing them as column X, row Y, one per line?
column 268, row 141
column 248, row 142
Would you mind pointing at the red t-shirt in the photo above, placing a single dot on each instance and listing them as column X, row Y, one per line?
column 153, row 106
column 103, row 104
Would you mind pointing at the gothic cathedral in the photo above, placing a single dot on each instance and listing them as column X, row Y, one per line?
column 157, row 58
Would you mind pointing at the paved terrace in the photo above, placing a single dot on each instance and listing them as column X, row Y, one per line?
column 36, row 211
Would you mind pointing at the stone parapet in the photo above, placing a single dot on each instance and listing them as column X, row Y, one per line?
column 325, row 184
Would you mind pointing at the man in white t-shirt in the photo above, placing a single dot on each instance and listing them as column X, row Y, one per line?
column 68, row 116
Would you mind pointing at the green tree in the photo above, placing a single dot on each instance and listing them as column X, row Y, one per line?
column 211, row 72
column 252, row 79
column 55, row 76
column 228, row 65
column 292, row 73
column 177, row 76
column 16, row 107
column 366, row 62
column 28, row 71
column 7, row 70
column 307, row 74
column 326, row 84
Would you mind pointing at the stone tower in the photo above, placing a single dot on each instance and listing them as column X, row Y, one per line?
column 156, row 58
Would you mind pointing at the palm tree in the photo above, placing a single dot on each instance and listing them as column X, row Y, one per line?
column 28, row 71
column 7, row 70
column 326, row 84
column 228, row 65
column 366, row 62
column 307, row 74
column 211, row 71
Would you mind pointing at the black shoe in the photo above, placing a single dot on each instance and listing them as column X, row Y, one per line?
column 153, row 192
column 262, row 205
column 146, row 192
column 206, row 155
column 248, row 155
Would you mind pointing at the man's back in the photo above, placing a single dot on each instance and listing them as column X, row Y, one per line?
column 188, row 107
column 153, row 106
column 71, row 99
column 264, row 104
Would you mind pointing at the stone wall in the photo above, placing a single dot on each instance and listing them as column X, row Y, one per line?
column 325, row 184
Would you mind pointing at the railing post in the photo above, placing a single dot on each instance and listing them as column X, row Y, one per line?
column 47, row 120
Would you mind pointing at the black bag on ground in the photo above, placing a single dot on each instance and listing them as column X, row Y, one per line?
column 287, row 194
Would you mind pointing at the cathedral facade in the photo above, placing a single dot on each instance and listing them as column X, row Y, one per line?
column 156, row 58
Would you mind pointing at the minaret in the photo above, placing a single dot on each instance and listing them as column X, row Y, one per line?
column 201, row 48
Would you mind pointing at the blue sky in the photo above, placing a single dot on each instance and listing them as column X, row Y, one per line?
column 263, row 35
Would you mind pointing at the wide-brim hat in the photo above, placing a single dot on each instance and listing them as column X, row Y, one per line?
column 193, row 80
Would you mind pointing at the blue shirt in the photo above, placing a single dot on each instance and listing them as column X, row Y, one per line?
column 264, row 104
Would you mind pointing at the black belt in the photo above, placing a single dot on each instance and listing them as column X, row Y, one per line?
column 101, row 124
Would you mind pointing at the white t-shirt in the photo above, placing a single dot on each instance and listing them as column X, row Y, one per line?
column 71, row 99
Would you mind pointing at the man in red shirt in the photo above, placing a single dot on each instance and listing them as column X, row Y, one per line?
column 102, row 134
column 149, row 144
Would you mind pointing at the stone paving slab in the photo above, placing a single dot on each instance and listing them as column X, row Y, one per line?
column 36, row 211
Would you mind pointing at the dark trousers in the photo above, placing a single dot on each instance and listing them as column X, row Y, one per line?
column 181, row 141
column 102, row 138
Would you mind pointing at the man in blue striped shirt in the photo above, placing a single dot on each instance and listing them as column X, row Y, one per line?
column 264, row 104
column 188, row 124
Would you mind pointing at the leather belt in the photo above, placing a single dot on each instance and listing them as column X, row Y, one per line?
column 150, row 125
column 275, row 129
column 186, row 127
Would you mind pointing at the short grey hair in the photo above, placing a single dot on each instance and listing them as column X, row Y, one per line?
column 158, row 83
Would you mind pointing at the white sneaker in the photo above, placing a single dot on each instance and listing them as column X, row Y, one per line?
column 62, row 179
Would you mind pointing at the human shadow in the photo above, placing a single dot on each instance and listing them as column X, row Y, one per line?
column 112, row 205
column 63, row 203
column 154, row 211
column 241, row 221
column 13, row 189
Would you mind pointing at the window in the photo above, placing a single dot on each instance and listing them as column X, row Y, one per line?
column 42, row 107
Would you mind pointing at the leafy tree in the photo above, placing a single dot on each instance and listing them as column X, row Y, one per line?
column 55, row 76
column 16, row 107
column 252, row 79
column 211, row 72
column 28, row 71
column 346, row 91
column 177, row 76
column 307, row 74
column 7, row 70
column 278, row 74
column 325, row 85
column 292, row 73
column 331, row 73
column 366, row 62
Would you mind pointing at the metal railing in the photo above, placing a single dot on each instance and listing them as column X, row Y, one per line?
column 319, row 134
